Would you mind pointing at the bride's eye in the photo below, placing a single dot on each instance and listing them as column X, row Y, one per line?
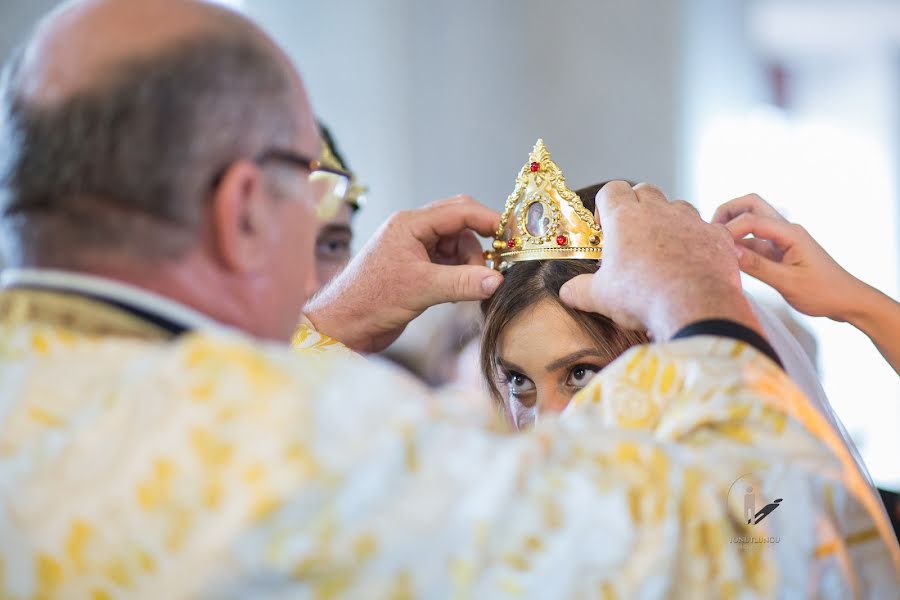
column 520, row 386
column 580, row 375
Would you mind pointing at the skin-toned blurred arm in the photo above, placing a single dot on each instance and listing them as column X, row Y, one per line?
column 785, row 256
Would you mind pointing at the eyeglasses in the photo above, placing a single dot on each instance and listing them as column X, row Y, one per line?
column 333, row 186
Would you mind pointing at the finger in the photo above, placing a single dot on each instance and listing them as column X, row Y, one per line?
column 577, row 293
column 469, row 250
column 767, row 271
column 611, row 196
column 762, row 247
column 581, row 294
column 647, row 192
column 447, row 248
column 778, row 231
column 456, row 283
column 751, row 203
column 450, row 217
column 459, row 250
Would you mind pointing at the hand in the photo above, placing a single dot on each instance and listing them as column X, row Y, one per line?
column 417, row 259
column 663, row 267
column 786, row 256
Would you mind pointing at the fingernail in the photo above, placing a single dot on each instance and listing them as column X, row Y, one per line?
column 739, row 251
column 490, row 284
column 565, row 294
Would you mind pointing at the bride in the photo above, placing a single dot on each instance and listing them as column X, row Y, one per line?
column 536, row 352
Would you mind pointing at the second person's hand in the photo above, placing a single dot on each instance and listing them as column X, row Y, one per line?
column 785, row 256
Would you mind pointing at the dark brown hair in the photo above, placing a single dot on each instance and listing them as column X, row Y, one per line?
column 527, row 283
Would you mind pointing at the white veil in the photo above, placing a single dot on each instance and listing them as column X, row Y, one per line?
column 800, row 369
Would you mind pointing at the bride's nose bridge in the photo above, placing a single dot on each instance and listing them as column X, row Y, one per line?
column 551, row 400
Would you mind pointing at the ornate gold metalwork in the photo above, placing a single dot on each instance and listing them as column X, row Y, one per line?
column 565, row 214
column 355, row 194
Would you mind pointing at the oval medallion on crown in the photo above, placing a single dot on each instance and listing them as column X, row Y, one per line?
column 536, row 221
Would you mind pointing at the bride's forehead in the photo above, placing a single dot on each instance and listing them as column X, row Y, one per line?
column 543, row 331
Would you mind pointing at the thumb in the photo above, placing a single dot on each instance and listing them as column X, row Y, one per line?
column 456, row 283
column 755, row 264
column 577, row 293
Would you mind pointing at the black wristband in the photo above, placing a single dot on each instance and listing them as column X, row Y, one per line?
column 729, row 329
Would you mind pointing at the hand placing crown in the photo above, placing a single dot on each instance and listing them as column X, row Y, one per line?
column 543, row 219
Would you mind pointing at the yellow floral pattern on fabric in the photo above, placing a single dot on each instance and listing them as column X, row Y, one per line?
column 307, row 338
column 212, row 467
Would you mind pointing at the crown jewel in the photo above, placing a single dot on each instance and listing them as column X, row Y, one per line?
column 544, row 219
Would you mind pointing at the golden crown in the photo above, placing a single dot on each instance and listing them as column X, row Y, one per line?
column 544, row 219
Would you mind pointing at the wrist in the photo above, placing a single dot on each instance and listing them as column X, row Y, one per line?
column 694, row 301
column 735, row 331
column 866, row 308
column 320, row 315
column 853, row 299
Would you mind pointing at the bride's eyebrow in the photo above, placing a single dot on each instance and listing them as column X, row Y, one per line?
column 571, row 358
column 509, row 366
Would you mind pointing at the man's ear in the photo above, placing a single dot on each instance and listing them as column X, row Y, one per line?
column 241, row 218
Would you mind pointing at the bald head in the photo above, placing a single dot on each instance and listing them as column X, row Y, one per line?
column 83, row 42
column 120, row 114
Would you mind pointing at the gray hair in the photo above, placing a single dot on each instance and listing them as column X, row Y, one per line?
column 127, row 165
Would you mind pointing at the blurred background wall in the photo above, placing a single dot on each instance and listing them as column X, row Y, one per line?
column 798, row 100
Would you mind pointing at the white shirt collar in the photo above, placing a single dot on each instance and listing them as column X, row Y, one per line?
column 116, row 291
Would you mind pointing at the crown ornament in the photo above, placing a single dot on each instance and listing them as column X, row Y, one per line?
column 543, row 219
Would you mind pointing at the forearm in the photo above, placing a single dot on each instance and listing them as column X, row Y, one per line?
column 878, row 316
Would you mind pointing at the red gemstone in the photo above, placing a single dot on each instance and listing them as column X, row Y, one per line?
column 561, row 240
column 535, row 167
column 511, row 244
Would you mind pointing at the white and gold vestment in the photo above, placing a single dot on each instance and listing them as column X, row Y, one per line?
column 135, row 464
